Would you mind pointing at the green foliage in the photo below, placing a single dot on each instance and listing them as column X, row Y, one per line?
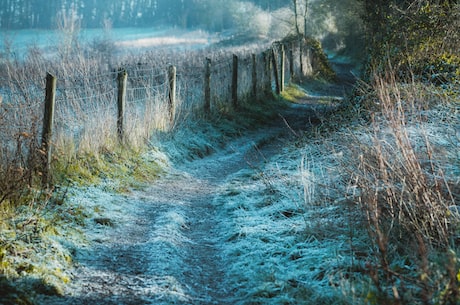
column 420, row 40
column 292, row 93
column 128, row 166
column 321, row 64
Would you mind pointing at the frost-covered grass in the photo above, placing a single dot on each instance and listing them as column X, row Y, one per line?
column 32, row 251
column 90, row 203
column 196, row 139
column 364, row 213
column 282, row 250
column 405, row 168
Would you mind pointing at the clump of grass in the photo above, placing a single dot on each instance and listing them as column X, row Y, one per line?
column 127, row 168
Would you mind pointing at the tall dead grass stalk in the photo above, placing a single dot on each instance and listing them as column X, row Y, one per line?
column 405, row 195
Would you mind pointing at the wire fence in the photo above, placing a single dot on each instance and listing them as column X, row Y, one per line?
column 90, row 109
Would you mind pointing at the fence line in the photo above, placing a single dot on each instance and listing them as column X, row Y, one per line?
column 220, row 83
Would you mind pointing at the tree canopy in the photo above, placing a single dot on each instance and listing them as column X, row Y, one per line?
column 416, row 37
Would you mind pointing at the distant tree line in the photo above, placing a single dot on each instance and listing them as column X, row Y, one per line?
column 210, row 14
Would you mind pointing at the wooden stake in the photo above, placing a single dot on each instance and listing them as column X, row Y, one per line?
column 254, row 77
column 268, row 73
column 122, row 81
column 172, row 92
column 235, row 82
column 275, row 71
column 283, row 64
column 207, row 86
column 48, row 121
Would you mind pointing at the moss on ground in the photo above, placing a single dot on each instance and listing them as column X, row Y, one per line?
column 130, row 168
column 293, row 93
column 32, row 258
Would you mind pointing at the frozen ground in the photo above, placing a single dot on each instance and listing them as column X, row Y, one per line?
column 239, row 226
column 213, row 231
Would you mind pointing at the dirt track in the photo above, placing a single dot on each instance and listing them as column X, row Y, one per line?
column 164, row 247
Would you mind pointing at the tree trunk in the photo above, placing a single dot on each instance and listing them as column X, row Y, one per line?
column 305, row 12
column 296, row 17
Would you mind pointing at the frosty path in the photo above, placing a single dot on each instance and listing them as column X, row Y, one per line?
column 164, row 246
column 169, row 243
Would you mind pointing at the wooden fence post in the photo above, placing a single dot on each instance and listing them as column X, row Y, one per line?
column 207, row 86
column 275, row 70
column 121, row 102
column 291, row 60
column 48, row 120
column 301, row 57
column 268, row 74
column 254, row 76
column 235, row 82
column 172, row 92
column 283, row 67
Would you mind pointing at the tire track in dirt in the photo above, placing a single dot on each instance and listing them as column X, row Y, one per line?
column 162, row 246
column 200, row 182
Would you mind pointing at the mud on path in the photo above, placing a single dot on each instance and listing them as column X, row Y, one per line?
column 162, row 244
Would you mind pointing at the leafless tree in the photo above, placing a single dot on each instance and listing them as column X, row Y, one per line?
column 300, row 8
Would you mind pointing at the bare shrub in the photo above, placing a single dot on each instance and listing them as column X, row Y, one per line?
column 68, row 24
column 21, row 157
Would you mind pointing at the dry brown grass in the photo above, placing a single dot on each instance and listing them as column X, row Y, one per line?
column 86, row 107
column 407, row 192
column 86, row 97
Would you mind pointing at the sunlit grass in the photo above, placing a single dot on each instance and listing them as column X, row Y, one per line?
column 293, row 93
column 402, row 171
